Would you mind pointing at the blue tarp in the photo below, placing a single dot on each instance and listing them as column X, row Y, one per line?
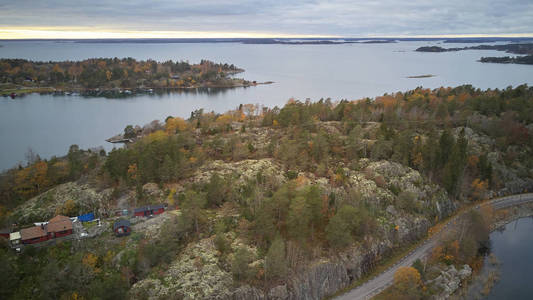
column 86, row 217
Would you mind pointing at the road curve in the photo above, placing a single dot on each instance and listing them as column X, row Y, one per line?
column 377, row 284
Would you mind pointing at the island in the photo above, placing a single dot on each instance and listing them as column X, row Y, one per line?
column 524, row 60
column 516, row 48
column 421, row 76
column 113, row 75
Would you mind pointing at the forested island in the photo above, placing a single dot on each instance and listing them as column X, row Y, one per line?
column 517, row 48
column 525, row 60
column 275, row 201
column 103, row 74
column 526, row 49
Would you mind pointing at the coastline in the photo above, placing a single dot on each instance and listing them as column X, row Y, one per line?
column 14, row 92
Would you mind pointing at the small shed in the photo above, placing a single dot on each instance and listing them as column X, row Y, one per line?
column 59, row 226
column 14, row 239
column 33, row 235
column 149, row 210
column 122, row 227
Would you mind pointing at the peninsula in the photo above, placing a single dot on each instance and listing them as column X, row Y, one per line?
column 114, row 74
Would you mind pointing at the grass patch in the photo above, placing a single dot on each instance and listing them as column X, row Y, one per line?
column 90, row 224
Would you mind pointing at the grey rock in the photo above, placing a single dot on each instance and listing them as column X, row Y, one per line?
column 278, row 293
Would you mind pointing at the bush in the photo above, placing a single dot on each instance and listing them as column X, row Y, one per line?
column 291, row 174
column 221, row 243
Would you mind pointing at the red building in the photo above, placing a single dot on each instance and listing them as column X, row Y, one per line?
column 33, row 235
column 4, row 232
column 59, row 226
column 149, row 210
column 122, row 227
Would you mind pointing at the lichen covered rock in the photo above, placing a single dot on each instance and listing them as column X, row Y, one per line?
column 195, row 274
column 70, row 199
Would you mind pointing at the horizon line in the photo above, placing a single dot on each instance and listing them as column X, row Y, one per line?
column 77, row 33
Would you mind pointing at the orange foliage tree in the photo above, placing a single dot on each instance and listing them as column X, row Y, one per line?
column 407, row 283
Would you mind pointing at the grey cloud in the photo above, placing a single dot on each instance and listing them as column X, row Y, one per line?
column 321, row 17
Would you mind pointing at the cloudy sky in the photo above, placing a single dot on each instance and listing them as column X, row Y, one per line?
column 241, row 18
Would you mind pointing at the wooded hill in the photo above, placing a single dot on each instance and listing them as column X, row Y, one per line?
column 266, row 193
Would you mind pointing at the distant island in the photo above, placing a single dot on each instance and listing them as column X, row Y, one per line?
column 525, row 60
column 421, row 76
column 524, row 49
column 314, row 42
column 252, row 41
column 114, row 74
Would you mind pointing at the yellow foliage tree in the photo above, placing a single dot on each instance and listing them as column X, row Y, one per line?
column 132, row 171
column 91, row 260
column 68, row 208
column 57, row 69
column 479, row 188
column 176, row 124
column 156, row 136
column 224, row 121
column 407, row 282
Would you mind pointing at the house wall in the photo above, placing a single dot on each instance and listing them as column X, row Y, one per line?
column 63, row 233
column 126, row 230
column 36, row 240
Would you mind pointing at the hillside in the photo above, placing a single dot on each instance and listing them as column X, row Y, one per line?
column 280, row 203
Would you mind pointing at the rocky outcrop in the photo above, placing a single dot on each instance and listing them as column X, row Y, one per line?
column 244, row 169
column 69, row 198
column 319, row 280
column 195, row 274
column 449, row 280
column 513, row 178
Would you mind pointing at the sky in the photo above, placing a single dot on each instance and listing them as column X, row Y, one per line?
column 267, row 18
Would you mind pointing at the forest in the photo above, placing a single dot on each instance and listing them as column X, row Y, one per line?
column 460, row 140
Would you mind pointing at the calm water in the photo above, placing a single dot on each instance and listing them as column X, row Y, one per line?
column 49, row 125
column 513, row 246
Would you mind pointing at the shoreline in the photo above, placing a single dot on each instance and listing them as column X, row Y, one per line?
column 512, row 214
column 13, row 93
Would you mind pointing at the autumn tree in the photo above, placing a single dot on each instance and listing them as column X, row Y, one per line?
column 407, row 283
column 175, row 124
